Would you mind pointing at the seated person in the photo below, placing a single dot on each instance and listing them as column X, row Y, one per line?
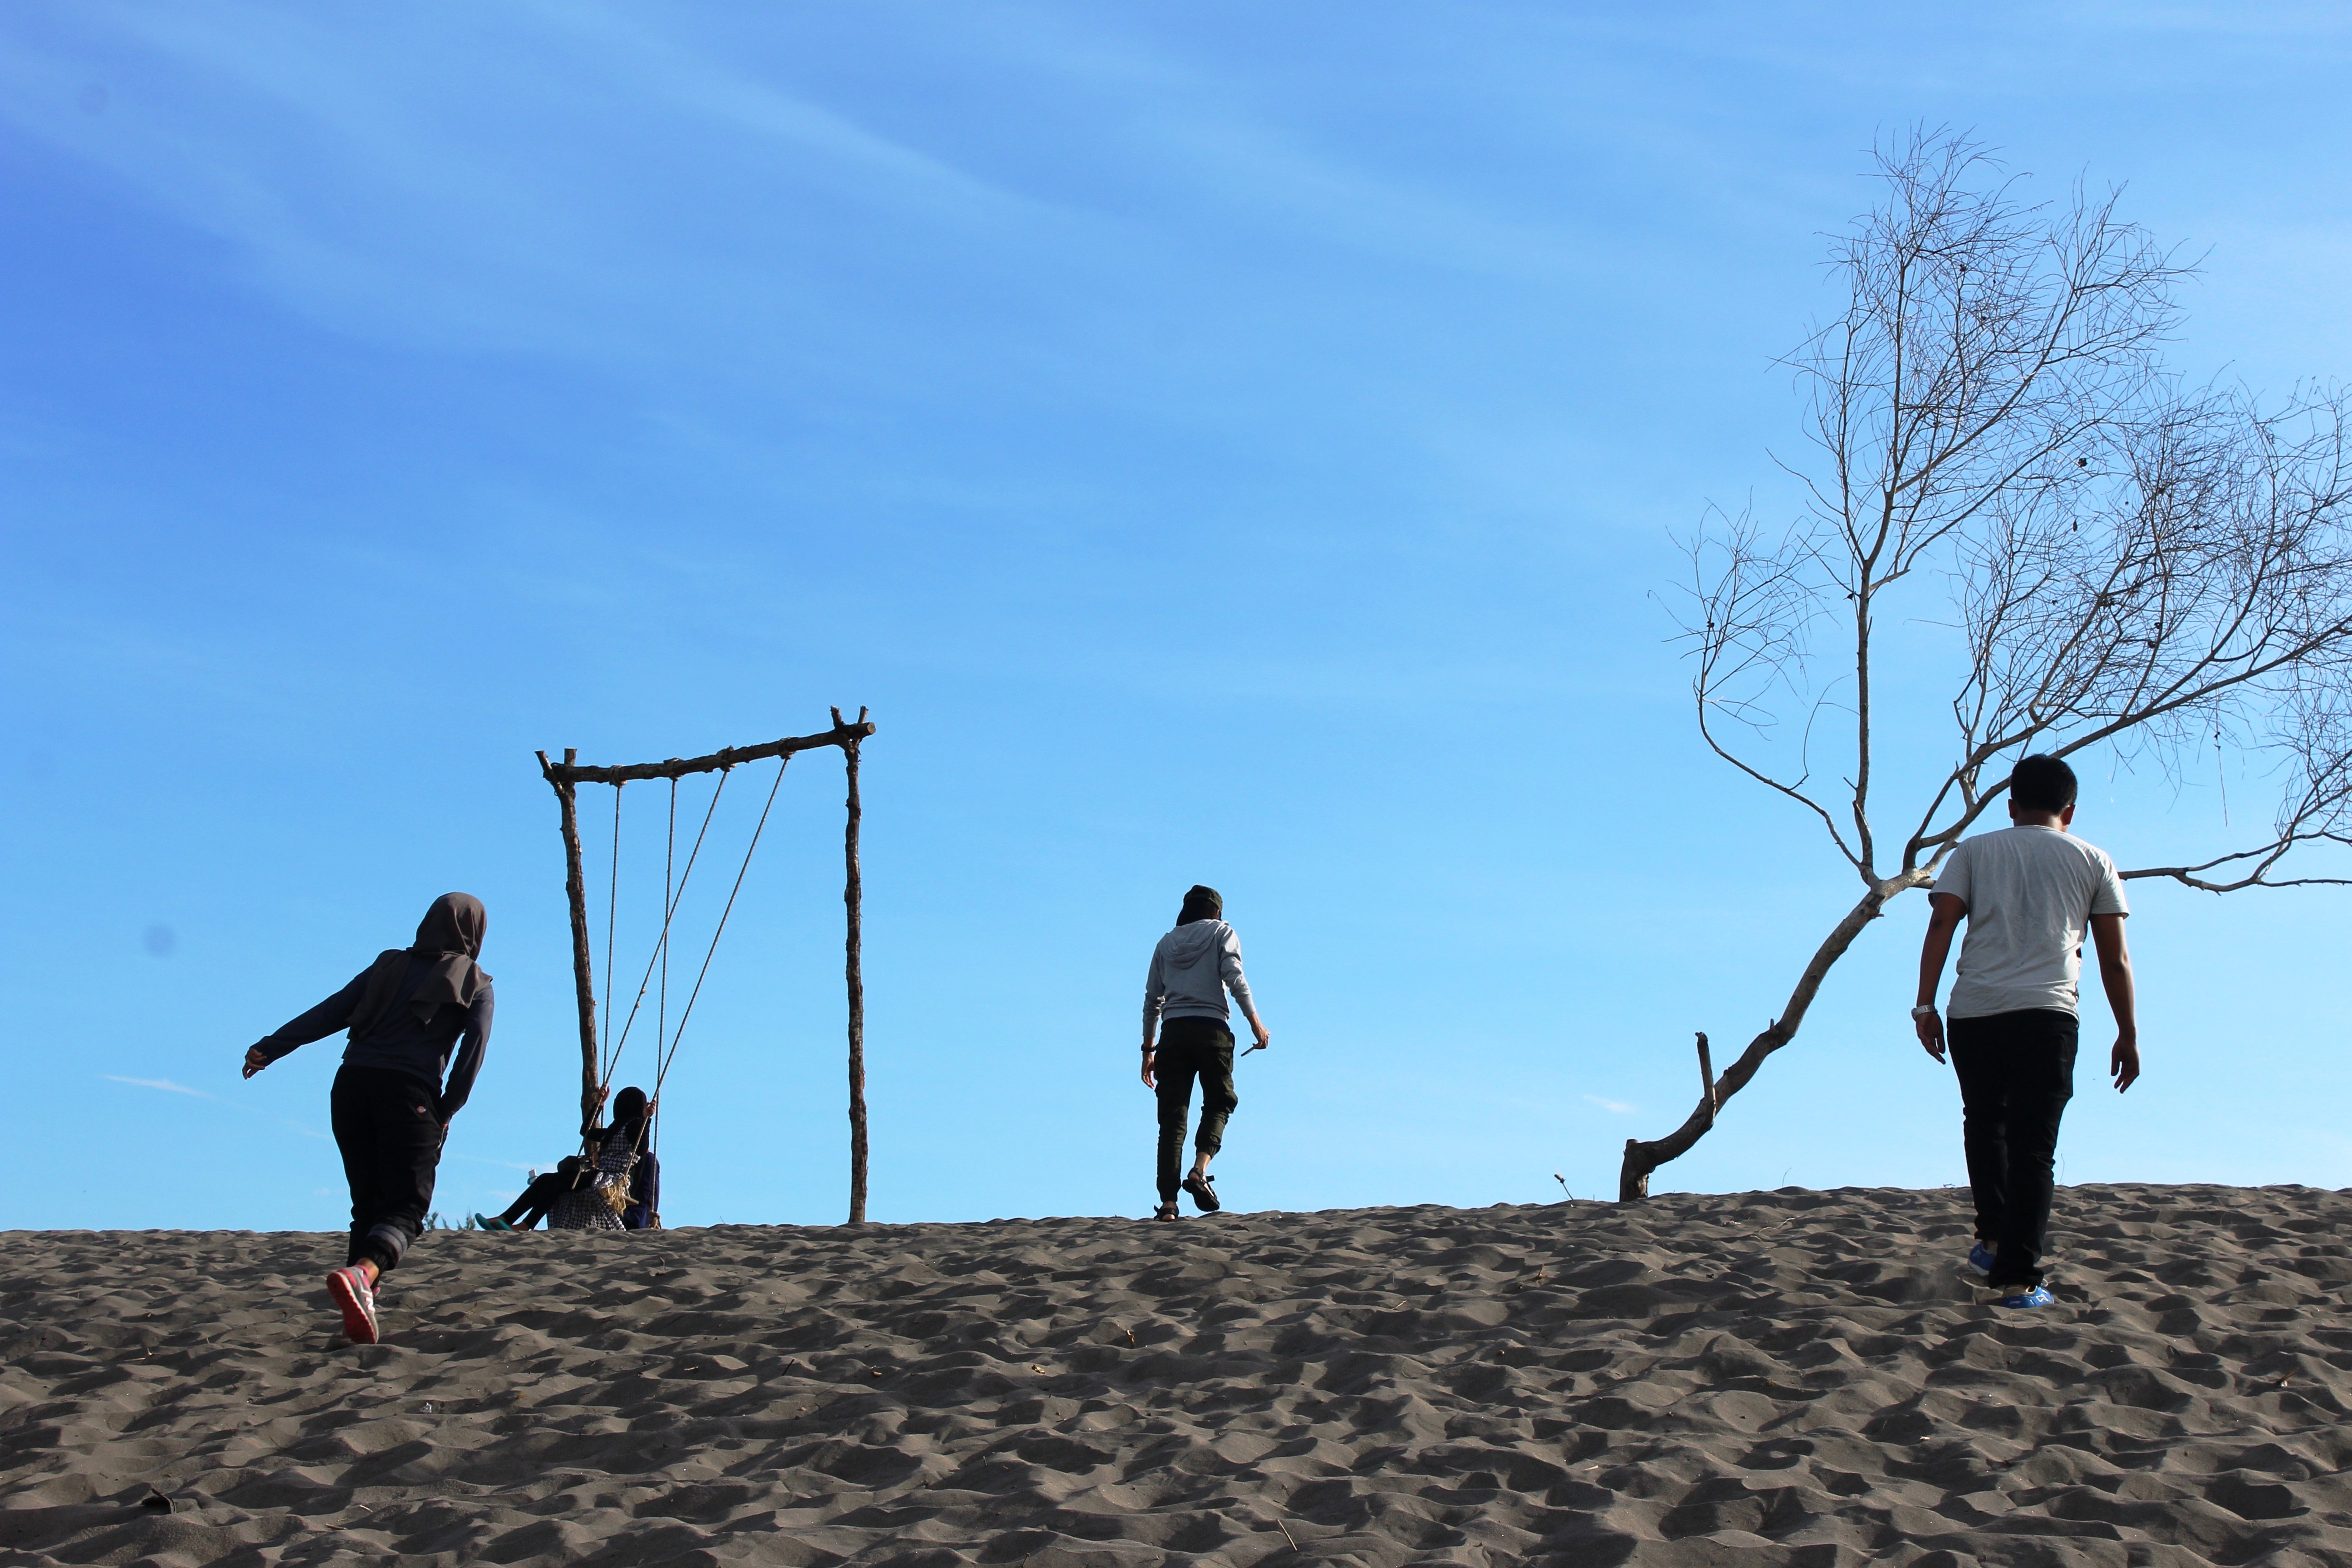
column 528, row 1210
column 576, row 1194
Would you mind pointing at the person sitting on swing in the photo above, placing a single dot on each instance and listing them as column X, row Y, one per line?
column 606, row 1189
column 390, row 1111
column 526, row 1211
column 633, row 1110
column 643, row 1210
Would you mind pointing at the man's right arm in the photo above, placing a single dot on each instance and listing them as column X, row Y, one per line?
column 1945, row 913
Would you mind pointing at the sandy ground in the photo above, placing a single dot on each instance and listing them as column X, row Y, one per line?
column 1754, row 1379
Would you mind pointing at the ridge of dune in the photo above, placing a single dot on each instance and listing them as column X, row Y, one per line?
column 1759, row 1379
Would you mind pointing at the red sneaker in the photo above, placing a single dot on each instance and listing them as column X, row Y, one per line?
column 348, row 1289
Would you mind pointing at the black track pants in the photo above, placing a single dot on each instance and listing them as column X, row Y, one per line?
column 391, row 1145
column 2016, row 1073
column 538, row 1197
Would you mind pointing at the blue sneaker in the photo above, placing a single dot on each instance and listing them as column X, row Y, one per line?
column 2035, row 1297
column 1980, row 1260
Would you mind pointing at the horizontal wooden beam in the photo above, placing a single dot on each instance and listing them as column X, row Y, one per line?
column 843, row 734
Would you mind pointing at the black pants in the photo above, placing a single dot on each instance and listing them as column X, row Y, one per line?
column 391, row 1144
column 538, row 1197
column 1189, row 1048
column 2016, row 1073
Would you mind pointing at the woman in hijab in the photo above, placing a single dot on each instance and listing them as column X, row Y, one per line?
column 628, row 1134
column 632, row 1126
column 621, row 1190
column 391, row 1109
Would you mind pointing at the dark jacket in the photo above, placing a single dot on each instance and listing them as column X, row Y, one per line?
column 398, row 1041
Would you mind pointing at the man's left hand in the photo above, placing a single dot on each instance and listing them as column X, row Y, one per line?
column 256, row 1059
column 2123, row 1064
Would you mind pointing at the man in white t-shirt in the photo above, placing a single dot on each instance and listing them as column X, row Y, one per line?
column 2029, row 893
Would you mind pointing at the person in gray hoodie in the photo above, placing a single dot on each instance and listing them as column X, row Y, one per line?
column 1184, row 1001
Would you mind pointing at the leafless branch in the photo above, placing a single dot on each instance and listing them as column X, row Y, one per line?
column 2163, row 573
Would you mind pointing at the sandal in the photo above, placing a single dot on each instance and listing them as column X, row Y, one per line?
column 1203, row 1193
column 1165, row 1211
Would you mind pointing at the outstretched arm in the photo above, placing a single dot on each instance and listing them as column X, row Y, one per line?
column 334, row 1013
column 2116, row 976
column 1945, row 913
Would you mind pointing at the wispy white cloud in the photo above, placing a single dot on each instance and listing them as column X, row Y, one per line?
column 578, row 181
column 166, row 1084
column 399, row 186
column 481, row 1160
column 168, row 1087
column 699, row 84
column 1616, row 1106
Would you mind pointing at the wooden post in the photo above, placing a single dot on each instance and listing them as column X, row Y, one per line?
column 575, row 892
column 854, row 895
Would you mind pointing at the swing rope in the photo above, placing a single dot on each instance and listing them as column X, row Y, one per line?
column 661, row 944
column 612, row 912
column 662, row 1073
column 661, row 1015
column 649, row 1126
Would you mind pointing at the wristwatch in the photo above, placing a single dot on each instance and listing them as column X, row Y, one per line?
column 1924, row 1010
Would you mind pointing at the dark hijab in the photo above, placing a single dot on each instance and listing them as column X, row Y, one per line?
column 1201, row 904
column 450, row 936
column 629, row 1115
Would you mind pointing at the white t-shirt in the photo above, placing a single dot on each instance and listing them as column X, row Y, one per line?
column 2031, row 893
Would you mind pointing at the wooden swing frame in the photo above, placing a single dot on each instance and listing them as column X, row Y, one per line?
column 568, row 774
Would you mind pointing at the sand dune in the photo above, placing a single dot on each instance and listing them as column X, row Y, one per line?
column 1755, row 1379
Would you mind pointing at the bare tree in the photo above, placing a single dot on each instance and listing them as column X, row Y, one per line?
column 2106, row 560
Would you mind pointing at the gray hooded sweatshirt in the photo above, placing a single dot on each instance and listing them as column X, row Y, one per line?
column 1191, row 969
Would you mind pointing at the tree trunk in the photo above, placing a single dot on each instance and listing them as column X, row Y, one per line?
column 854, row 896
column 1640, row 1158
column 576, row 893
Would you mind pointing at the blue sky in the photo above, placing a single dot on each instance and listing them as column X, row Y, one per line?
column 1220, row 443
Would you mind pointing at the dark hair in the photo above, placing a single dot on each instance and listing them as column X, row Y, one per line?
column 1201, row 904
column 628, row 1106
column 2042, row 784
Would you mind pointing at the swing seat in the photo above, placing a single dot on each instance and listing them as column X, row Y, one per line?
column 598, row 1205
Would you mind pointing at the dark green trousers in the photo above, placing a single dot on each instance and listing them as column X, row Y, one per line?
column 1191, row 1049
